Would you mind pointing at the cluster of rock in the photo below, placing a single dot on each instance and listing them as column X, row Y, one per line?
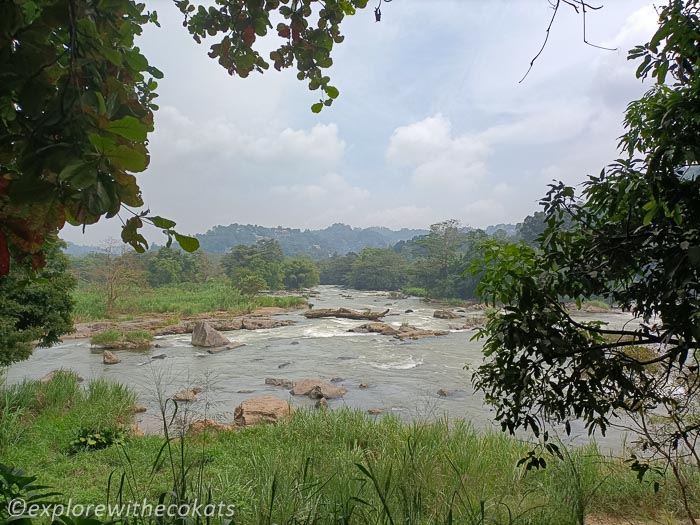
column 253, row 411
column 224, row 325
column 405, row 331
column 312, row 388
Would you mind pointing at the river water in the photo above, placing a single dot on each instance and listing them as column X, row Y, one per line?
column 403, row 377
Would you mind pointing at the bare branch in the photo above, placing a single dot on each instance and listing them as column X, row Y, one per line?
column 581, row 7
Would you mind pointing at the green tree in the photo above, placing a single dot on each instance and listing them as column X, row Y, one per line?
column 248, row 282
column 300, row 272
column 532, row 228
column 35, row 307
column 336, row 269
column 378, row 269
column 115, row 271
column 76, row 107
column 171, row 266
column 264, row 259
column 632, row 237
column 442, row 258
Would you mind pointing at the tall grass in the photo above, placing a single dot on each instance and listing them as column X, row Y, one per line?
column 38, row 418
column 181, row 299
column 337, row 466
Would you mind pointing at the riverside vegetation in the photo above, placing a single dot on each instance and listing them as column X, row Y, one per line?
column 630, row 237
column 339, row 466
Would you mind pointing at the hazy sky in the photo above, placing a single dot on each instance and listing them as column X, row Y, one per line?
column 431, row 123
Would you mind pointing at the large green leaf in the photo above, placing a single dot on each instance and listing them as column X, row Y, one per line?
column 129, row 128
column 189, row 244
column 130, row 159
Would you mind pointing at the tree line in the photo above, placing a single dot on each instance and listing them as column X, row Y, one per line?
column 41, row 309
column 432, row 265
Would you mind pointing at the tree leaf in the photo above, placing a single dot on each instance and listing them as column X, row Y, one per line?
column 189, row 244
column 129, row 128
column 130, row 159
column 332, row 91
column 161, row 222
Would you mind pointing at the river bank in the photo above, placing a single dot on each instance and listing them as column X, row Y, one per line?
column 318, row 466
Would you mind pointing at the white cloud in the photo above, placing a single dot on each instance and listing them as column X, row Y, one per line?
column 544, row 123
column 436, row 155
column 178, row 135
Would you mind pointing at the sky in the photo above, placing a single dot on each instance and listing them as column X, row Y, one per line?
column 431, row 123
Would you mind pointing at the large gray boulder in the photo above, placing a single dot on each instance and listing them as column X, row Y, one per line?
column 204, row 335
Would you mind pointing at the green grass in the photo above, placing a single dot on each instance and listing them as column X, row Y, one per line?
column 597, row 304
column 41, row 419
column 115, row 338
column 415, row 291
column 323, row 466
column 180, row 300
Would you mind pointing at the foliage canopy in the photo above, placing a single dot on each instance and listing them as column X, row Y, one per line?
column 630, row 236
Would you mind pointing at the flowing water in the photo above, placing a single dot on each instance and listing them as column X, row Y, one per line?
column 403, row 377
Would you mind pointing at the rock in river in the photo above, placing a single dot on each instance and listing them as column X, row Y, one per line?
column 109, row 358
column 188, row 395
column 286, row 383
column 315, row 389
column 445, row 314
column 265, row 409
column 204, row 335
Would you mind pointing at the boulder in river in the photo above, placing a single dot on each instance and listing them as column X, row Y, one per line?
column 109, row 358
column 375, row 411
column 411, row 332
column 322, row 403
column 474, row 322
column 443, row 392
column 378, row 328
column 206, row 336
column 286, row 383
column 265, row 409
column 315, row 389
column 445, row 314
column 405, row 331
column 187, row 395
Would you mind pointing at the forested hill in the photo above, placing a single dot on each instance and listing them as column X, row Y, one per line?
column 339, row 238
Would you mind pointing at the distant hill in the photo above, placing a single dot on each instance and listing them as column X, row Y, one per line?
column 79, row 250
column 510, row 229
column 319, row 244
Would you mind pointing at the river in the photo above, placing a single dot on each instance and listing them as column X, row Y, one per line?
column 403, row 377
